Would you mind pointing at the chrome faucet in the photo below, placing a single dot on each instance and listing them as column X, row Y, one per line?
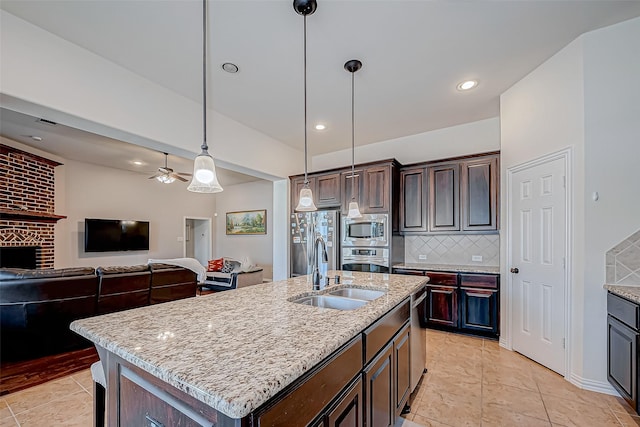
column 316, row 276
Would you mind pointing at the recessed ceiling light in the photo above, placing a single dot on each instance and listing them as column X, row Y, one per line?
column 229, row 67
column 320, row 126
column 466, row 85
column 138, row 163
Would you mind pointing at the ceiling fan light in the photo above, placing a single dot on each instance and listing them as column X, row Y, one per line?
column 165, row 179
column 204, row 175
column 354, row 211
column 305, row 202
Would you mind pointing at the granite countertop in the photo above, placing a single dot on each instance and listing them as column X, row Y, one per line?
column 450, row 267
column 235, row 350
column 630, row 292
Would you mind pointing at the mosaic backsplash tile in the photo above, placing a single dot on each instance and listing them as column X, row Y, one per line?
column 457, row 249
column 623, row 262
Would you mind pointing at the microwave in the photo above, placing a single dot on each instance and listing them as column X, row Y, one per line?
column 370, row 230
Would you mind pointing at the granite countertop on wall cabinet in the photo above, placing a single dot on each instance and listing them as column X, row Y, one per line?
column 450, row 267
column 235, row 350
column 629, row 292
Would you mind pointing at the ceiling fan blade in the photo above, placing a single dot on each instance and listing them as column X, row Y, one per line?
column 184, row 173
column 165, row 170
column 178, row 177
column 156, row 175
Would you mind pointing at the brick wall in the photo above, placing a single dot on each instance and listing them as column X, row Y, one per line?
column 28, row 184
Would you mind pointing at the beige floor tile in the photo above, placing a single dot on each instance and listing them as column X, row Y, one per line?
column 627, row 420
column 35, row 396
column 496, row 374
column 512, row 399
column 559, row 387
column 618, row 404
column 84, row 379
column 73, row 410
column 454, row 383
column 426, row 422
column 494, row 417
column 4, row 410
column 8, row 422
column 455, row 410
column 572, row 413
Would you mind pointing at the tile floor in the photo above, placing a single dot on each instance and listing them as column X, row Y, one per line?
column 471, row 382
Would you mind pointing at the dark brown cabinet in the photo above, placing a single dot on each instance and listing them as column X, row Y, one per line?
column 413, row 200
column 444, row 199
column 378, row 378
column 479, row 310
column 348, row 410
column 401, row 368
column 479, row 193
column 623, row 331
column 351, row 189
column 442, row 306
column 376, row 188
column 326, row 190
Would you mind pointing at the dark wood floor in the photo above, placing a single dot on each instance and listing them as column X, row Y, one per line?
column 17, row 376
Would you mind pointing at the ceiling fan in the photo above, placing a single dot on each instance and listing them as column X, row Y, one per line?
column 166, row 175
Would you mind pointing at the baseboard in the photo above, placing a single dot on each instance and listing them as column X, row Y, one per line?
column 591, row 385
column 503, row 343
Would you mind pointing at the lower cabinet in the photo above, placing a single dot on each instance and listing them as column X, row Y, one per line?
column 442, row 306
column 347, row 411
column 479, row 310
column 622, row 347
column 401, row 369
column 378, row 378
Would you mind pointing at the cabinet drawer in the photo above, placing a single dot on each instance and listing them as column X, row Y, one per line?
column 623, row 310
column 447, row 279
column 382, row 331
column 488, row 281
column 408, row 272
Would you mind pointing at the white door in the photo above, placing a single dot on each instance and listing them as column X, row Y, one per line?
column 538, row 230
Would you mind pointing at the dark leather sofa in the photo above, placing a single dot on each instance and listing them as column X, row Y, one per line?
column 37, row 306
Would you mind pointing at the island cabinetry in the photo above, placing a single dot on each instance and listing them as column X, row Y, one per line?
column 413, row 200
column 387, row 367
column 348, row 411
column 623, row 325
column 479, row 196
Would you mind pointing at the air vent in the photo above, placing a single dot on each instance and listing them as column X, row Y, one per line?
column 47, row 122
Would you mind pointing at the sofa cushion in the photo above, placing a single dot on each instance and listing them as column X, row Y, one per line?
column 100, row 271
column 229, row 266
column 21, row 273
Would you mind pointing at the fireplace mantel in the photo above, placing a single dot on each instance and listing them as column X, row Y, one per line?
column 17, row 214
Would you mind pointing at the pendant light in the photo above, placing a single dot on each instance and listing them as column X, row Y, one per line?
column 305, row 201
column 204, row 169
column 354, row 210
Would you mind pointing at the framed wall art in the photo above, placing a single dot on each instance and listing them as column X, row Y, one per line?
column 247, row 222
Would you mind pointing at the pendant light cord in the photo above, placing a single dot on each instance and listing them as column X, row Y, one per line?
column 306, row 180
column 204, row 75
column 353, row 149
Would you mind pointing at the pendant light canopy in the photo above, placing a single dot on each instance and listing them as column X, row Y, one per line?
column 305, row 201
column 204, row 169
column 354, row 210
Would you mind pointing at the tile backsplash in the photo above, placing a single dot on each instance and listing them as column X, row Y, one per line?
column 623, row 262
column 455, row 249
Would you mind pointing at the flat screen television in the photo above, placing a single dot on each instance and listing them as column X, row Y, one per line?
column 114, row 235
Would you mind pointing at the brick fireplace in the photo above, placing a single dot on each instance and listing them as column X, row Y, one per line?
column 27, row 198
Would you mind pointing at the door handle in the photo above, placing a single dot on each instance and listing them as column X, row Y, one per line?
column 514, row 270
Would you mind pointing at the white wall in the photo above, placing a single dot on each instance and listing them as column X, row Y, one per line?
column 584, row 97
column 44, row 75
column 612, row 156
column 98, row 192
column 246, row 197
column 470, row 138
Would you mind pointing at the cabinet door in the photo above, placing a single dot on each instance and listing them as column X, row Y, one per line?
column 378, row 377
column 442, row 306
column 296, row 186
column 327, row 190
column 413, row 200
column 444, row 205
column 402, row 369
column 377, row 189
column 348, row 411
column 479, row 310
column 480, row 194
column 351, row 186
column 622, row 359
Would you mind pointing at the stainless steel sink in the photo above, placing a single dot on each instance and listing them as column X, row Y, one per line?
column 328, row 301
column 359, row 294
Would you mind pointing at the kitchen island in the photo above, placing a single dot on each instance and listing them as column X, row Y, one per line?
column 234, row 353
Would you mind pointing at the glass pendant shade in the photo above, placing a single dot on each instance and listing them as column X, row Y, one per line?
column 305, row 202
column 354, row 210
column 204, row 175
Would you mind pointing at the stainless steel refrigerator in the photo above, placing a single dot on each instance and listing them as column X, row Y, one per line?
column 304, row 226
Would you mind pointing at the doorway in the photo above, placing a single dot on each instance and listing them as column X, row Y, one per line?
column 197, row 239
column 538, row 259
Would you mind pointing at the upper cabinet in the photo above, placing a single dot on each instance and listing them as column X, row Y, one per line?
column 479, row 190
column 325, row 187
column 351, row 189
column 376, row 187
column 460, row 195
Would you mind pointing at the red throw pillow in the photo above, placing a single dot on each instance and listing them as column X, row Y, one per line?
column 215, row 264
